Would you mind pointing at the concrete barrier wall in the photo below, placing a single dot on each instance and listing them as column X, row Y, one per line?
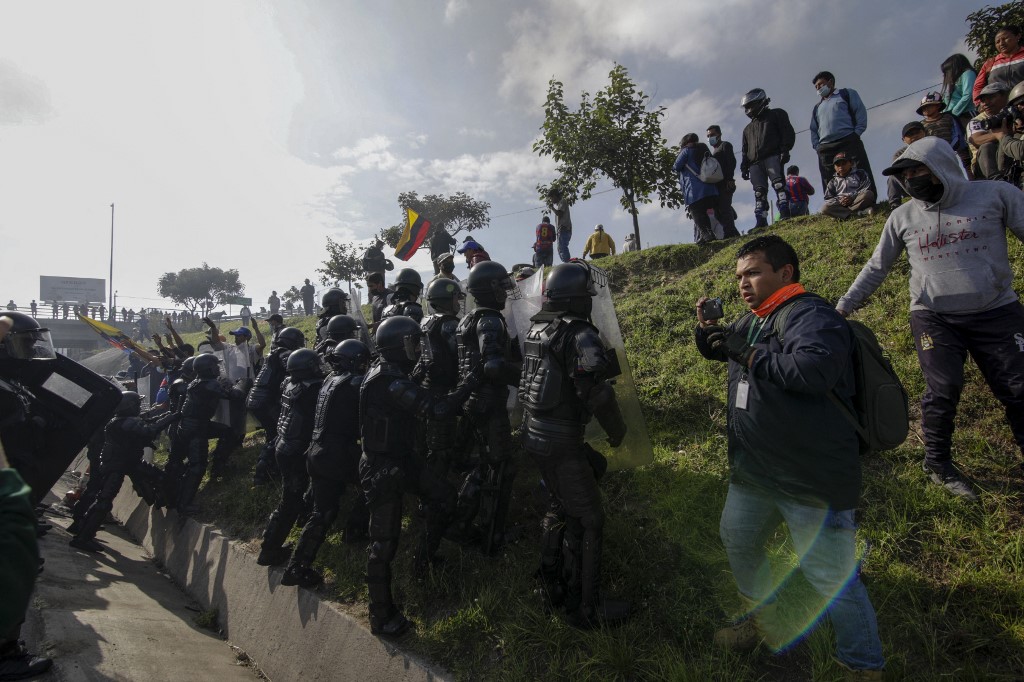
column 289, row 632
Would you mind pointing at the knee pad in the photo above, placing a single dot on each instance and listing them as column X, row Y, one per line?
column 779, row 187
column 760, row 193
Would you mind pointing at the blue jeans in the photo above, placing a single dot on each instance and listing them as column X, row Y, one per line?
column 824, row 541
column 563, row 245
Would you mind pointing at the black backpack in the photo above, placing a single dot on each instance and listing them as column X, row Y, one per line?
column 881, row 405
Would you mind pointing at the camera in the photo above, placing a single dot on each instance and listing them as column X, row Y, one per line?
column 1000, row 120
column 711, row 309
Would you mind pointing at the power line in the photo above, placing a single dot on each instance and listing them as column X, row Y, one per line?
column 799, row 132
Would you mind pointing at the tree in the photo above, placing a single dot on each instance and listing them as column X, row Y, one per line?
column 456, row 213
column 291, row 298
column 195, row 288
column 982, row 24
column 615, row 136
column 344, row 263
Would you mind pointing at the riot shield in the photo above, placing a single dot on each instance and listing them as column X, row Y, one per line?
column 523, row 303
column 636, row 449
column 67, row 403
column 356, row 312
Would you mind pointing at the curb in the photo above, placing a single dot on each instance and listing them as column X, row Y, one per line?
column 290, row 632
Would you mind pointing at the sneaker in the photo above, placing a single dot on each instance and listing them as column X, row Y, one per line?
column 953, row 481
column 21, row 664
column 741, row 636
column 87, row 544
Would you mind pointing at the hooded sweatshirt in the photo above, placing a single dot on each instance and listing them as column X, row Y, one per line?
column 956, row 246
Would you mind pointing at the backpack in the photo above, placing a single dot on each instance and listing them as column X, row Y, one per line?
column 880, row 403
column 710, row 170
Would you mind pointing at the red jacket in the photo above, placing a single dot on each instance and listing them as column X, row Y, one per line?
column 1000, row 69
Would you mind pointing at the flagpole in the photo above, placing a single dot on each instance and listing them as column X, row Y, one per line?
column 111, row 282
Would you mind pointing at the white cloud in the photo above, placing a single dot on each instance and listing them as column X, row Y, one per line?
column 23, row 97
column 477, row 132
column 453, row 9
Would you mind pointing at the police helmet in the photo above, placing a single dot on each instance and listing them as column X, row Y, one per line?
column 130, row 405
column 398, row 340
column 290, row 338
column 334, row 299
column 207, row 366
column 409, row 282
column 754, row 102
column 188, row 370
column 303, row 364
column 26, row 340
column 1016, row 93
column 350, row 355
column 444, row 295
column 490, row 283
column 341, row 327
column 570, row 287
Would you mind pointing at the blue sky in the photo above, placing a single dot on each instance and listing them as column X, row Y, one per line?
column 244, row 133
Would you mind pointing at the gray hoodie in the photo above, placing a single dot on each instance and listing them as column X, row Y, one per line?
column 956, row 246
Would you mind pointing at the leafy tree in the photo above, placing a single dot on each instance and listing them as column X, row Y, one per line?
column 982, row 23
column 613, row 135
column 291, row 298
column 455, row 213
column 195, row 288
column 344, row 263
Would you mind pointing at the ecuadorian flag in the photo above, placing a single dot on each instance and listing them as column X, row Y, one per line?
column 416, row 229
column 114, row 336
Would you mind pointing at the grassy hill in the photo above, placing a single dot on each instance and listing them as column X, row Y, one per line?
column 946, row 577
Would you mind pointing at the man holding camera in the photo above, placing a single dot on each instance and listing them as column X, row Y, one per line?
column 1010, row 137
column 793, row 455
column 980, row 135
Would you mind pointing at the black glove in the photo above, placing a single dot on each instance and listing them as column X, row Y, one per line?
column 784, row 158
column 745, row 173
column 732, row 344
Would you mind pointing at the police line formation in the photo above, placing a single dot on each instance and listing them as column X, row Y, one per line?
column 419, row 404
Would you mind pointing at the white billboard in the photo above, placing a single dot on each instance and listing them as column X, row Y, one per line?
column 72, row 289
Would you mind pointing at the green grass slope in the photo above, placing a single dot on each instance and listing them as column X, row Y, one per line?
column 947, row 578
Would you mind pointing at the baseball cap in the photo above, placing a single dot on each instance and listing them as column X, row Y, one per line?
column 911, row 127
column 241, row 331
column 275, row 318
column 900, row 165
column 993, row 89
column 842, row 156
column 470, row 245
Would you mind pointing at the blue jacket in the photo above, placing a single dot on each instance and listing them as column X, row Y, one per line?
column 792, row 438
column 687, row 165
column 833, row 119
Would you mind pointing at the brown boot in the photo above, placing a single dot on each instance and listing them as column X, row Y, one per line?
column 757, row 628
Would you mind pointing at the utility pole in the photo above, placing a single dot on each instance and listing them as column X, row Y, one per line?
column 110, row 283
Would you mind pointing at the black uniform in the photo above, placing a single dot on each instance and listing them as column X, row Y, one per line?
column 333, row 463
column 379, row 301
column 264, row 402
column 294, row 432
column 124, row 440
column 438, row 372
column 487, row 357
column 196, row 429
column 388, row 468
column 563, row 384
column 398, row 306
column 178, row 450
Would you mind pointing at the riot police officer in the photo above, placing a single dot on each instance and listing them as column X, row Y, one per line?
column 405, row 300
column 178, row 450
column 338, row 329
column 390, row 466
column 334, row 302
column 125, row 436
column 488, row 357
column 264, row 401
column 332, row 460
column 197, row 428
column 294, row 431
column 438, row 367
column 564, row 382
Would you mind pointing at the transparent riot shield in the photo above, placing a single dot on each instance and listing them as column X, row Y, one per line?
column 356, row 312
column 636, row 449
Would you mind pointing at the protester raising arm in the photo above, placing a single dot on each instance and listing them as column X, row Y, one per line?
column 261, row 343
column 174, row 332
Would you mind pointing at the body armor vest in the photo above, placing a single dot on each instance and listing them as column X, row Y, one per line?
column 266, row 391
column 384, row 429
column 408, row 308
column 176, row 395
column 124, row 439
column 298, row 402
column 201, row 402
column 336, row 419
column 475, row 352
column 439, row 353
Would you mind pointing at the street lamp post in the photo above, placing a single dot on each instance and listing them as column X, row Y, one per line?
column 111, row 282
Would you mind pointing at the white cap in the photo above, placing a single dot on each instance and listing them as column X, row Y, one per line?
column 599, row 227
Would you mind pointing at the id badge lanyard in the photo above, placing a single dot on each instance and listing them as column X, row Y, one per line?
column 743, row 387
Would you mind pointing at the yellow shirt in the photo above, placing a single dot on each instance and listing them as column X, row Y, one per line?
column 599, row 243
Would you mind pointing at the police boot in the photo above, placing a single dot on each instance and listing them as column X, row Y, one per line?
column 87, row 544
column 385, row 618
column 552, row 589
column 301, row 574
column 266, row 466
column 189, row 488
column 272, row 553
column 594, row 610
column 758, row 625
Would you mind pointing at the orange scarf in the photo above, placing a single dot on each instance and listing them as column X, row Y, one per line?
column 778, row 298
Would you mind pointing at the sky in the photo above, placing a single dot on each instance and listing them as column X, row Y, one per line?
column 244, row 133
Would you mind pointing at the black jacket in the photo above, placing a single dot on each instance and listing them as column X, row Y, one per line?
column 769, row 134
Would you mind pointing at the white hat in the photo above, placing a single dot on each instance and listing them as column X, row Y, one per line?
column 599, row 227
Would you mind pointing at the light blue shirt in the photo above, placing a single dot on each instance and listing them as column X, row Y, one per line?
column 833, row 119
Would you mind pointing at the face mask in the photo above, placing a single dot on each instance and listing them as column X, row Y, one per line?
column 713, row 140
column 824, row 91
column 921, row 187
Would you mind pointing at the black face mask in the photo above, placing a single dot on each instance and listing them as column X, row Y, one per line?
column 921, row 187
